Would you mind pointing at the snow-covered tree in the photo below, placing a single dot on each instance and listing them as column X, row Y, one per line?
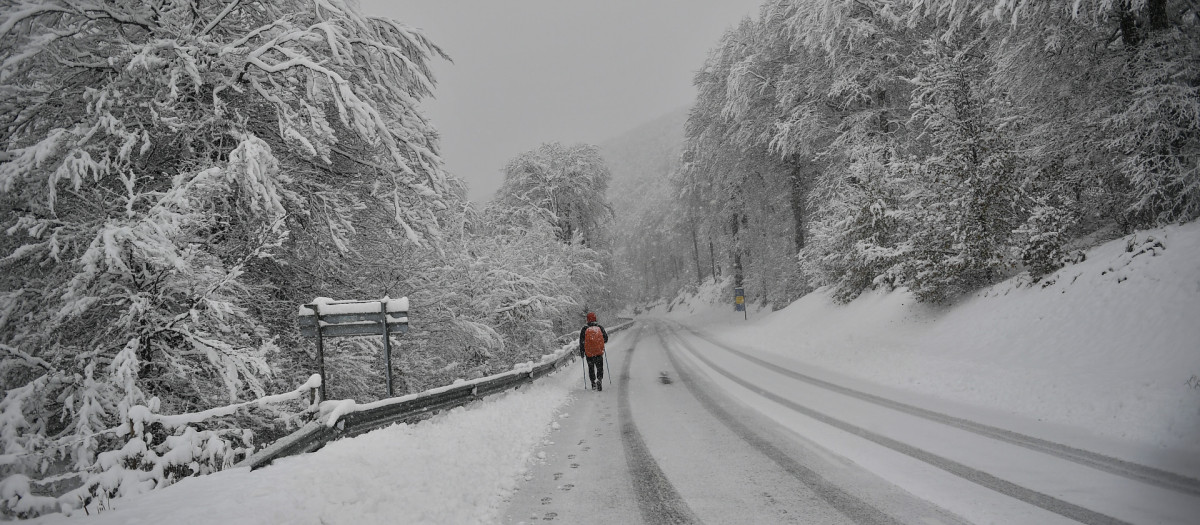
column 737, row 193
column 567, row 184
column 564, row 187
column 943, row 144
column 843, row 107
column 1044, row 235
column 161, row 160
column 860, row 233
column 1109, row 92
column 966, row 195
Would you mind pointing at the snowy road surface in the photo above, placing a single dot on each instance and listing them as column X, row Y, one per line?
column 692, row 430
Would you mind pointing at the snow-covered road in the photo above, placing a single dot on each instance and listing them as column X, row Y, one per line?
column 697, row 430
column 663, row 445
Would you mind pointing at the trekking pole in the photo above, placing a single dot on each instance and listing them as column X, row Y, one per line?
column 585, row 371
column 608, row 367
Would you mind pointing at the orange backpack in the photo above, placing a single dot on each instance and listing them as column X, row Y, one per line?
column 593, row 342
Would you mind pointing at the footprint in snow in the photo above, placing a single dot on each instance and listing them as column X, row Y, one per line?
column 557, row 476
column 574, row 465
column 550, row 516
column 546, row 500
column 572, row 456
column 567, row 487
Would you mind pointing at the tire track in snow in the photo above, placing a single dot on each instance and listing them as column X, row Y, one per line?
column 850, row 506
column 1126, row 469
column 979, row 477
column 657, row 499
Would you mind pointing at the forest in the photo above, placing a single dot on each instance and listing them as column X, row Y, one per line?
column 178, row 176
column 936, row 146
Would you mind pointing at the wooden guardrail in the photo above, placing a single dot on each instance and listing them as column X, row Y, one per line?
column 345, row 419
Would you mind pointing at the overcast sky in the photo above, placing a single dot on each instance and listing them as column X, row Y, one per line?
column 532, row 71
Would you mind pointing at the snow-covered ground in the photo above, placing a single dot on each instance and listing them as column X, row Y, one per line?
column 1104, row 354
column 1103, row 357
column 454, row 468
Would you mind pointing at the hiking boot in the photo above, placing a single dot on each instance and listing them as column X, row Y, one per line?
column 600, row 385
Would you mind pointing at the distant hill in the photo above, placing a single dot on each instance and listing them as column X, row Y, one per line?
column 641, row 159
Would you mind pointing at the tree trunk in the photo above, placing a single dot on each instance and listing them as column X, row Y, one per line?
column 735, row 224
column 712, row 259
column 696, row 254
column 737, row 268
column 797, row 183
column 1129, row 31
column 646, row 276
column 1156, row 11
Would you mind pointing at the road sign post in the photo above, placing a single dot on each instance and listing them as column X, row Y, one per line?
column 387, row 348
column 739, row 302
column 320, row 350
column 328, row 318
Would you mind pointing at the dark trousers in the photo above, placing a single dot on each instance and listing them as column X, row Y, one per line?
column 596, row 368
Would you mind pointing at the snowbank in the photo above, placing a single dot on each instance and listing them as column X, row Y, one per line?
column 1103, row 354
column 454, row 468
column 330, row 306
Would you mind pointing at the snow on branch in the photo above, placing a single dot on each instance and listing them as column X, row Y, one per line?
column 31, row 361
column 140, row 416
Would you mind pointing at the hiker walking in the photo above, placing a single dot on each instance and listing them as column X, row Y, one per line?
column 591, row 347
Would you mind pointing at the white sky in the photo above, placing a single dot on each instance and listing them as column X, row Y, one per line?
column 532, row 71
